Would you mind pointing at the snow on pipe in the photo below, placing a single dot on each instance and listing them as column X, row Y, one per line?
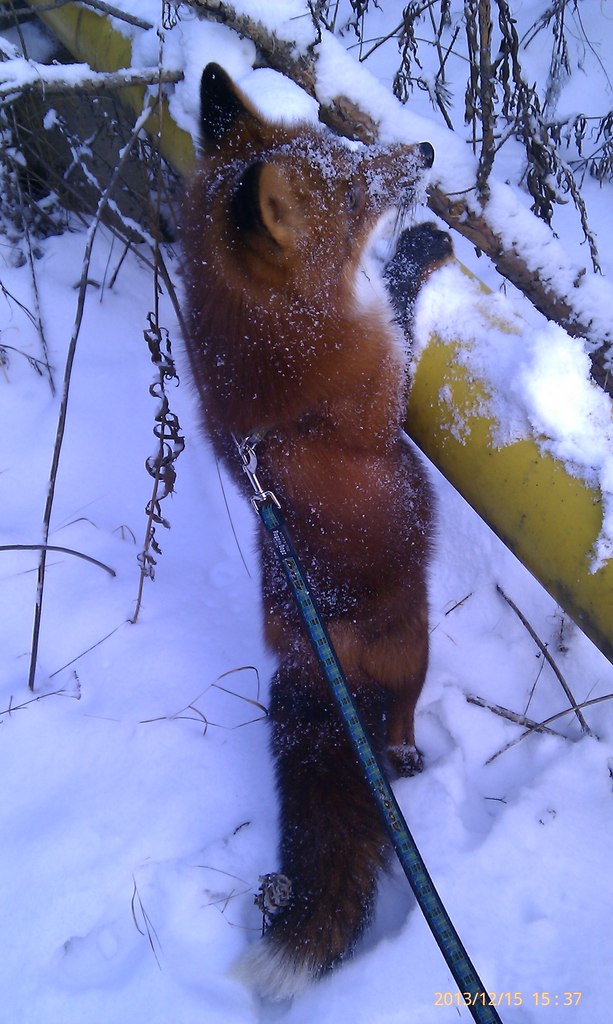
column 550, row 519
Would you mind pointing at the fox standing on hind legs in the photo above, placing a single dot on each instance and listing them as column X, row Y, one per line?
column 290, row 337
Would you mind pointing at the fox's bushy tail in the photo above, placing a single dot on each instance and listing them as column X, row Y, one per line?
column 332, row 840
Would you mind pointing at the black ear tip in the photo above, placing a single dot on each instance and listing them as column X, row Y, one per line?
column 213, row 72
column 221, row 104
column 213, row 77
column 427, row 154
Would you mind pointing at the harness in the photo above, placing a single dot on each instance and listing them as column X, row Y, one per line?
column 266, row 504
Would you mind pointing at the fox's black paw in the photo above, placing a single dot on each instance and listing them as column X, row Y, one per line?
column 406, row 759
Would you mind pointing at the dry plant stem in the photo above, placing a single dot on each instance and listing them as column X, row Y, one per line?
column 37, row 364
column 63, row 410
column 62, row 550
column 150, row 932
column 543, row 649
column 172, row 291
column 230, row 520
column 92, row 647
column 33, row 700
column 486, row 82
column 149, row 531
column 201, row 717
column 38, row 315
column 144, row 574
column 458, row 213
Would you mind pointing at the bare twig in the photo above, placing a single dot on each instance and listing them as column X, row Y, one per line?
column 37, row 364
column 97, row 5
column 543, row 649
column 584, row 704
column 480, row 96
column 511, row 716
column 87, row 650
column 116, row 12
column 63, row 410
column 541, row 726
column 459, row 603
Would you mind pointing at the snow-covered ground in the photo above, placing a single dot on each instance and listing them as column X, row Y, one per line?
column 138, row 809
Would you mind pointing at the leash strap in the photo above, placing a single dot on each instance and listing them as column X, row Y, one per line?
column 478, row 1001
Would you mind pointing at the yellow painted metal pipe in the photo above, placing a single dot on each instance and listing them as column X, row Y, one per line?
column 547, row 517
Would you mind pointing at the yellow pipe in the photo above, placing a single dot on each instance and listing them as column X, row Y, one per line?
column 547, row 517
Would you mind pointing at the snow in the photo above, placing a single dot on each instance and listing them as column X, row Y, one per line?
column 138, row 808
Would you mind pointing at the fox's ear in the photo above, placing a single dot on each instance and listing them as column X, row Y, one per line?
column 221, row 104
column 279, row 207
column 263, row 203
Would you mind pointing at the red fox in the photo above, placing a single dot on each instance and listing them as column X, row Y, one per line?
column 290, row 336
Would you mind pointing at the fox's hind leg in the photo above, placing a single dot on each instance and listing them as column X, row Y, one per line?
column 394, row 655
column 403, row 693
column 402, row 752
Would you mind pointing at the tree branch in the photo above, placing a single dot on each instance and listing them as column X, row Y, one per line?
column 97, row 5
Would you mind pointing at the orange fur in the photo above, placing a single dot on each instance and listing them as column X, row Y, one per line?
column 276, row 222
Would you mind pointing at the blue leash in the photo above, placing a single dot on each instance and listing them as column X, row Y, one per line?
column 469, row 984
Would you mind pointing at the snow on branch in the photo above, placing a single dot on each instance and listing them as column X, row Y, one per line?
column 340, row 113
column 19, row 74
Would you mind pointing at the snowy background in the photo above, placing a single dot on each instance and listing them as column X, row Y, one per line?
column 137, row 808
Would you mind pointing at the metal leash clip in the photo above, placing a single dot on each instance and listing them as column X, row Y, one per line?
column 246, row 451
